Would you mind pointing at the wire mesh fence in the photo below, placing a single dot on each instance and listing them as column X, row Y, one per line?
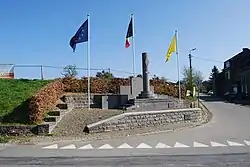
column 32, row 71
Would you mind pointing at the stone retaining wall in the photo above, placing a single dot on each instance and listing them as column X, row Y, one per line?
column 20, row 130
column 159, row 104
column 133, row 120
column 78, row 100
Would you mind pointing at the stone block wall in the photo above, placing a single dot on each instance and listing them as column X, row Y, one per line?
column 23, row 130
column 78, row 100
column 159, row 104
column 133, row 120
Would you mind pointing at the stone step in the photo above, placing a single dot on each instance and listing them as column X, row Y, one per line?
column 62, row 106
column 54, row 113
column 51, row 125
column 58, row 112
column 51, row 119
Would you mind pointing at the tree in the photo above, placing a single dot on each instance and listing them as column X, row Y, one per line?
column 209, row 84
column 164, row 79
column 139, row 76
column 206, row 86
column 69, row 71
column 104, row 74
column 214, row 73
column 194, row 80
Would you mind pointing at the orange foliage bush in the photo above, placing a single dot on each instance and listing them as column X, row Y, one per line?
column 163, row 88
column 44, row 100
column 99, row 85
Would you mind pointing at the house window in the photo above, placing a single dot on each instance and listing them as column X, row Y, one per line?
column 227, row 64
column 227, row 74
column 246, row 90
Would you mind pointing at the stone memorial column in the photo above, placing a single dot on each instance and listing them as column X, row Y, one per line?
column 146, row 93
column 145, row 72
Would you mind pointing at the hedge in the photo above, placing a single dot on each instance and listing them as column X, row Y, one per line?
column 99, row 85
column 44, row 100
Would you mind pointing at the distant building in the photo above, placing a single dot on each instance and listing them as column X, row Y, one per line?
column 7, row 71
column 235, row 77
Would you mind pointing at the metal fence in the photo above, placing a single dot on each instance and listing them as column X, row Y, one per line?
column 51, row 72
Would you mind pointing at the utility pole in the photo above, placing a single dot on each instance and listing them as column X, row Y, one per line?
column 42, row 76
column 190, row 68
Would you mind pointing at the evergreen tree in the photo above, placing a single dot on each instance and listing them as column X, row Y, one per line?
column 214, row 73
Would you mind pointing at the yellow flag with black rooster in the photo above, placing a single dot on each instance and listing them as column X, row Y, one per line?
column 172, row 48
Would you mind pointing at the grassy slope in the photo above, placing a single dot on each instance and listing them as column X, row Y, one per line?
column 13, row 96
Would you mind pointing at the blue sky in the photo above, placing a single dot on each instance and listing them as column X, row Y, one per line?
column 38, row 32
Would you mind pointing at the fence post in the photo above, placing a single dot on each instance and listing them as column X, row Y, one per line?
column 42, row 77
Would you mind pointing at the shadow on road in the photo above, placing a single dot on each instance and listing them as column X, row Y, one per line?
column 211, row 98
column 214, row 99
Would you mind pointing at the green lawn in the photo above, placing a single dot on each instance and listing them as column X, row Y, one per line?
column 13, row 98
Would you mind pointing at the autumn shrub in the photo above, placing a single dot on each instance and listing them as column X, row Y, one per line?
column 44, row 99
column 103, row 85
column 97, row 85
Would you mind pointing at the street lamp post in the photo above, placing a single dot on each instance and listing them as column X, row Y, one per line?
column 190, row 68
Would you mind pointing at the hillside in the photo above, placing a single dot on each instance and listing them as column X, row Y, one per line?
column 13, row 98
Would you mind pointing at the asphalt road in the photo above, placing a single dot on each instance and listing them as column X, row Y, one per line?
column 232, row 160
column 227, row 133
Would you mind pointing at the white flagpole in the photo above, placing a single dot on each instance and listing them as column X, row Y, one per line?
column 133, row 43
column 178, row 66
column 88, row 60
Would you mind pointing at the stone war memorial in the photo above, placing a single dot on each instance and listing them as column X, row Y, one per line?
column 122, row 104
column 142, row 107
column 138, row 96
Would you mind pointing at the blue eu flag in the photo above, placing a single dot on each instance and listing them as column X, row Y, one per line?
column 80, row 36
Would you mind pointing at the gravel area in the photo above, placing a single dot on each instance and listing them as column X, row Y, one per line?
column 74, row 122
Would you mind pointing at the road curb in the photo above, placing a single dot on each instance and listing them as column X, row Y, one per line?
column 208, row 115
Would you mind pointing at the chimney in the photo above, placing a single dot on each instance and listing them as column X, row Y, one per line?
column 246, row 50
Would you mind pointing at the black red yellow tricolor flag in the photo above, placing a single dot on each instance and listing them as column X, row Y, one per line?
column 129, row 33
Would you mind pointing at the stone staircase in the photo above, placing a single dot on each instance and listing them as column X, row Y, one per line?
column 55, row 115
column 159, row 102
column 65, row 105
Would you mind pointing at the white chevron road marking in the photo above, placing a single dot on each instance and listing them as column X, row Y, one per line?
column 143, row 145
column 247, row 142
column 215, row 144
column 54, row 146
column 230, row 143
column 197, row 144
column 124, row 145
column 180, row 145
column 71, row 146
column 162, row 145
column 106, row 146
column 88, row 146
